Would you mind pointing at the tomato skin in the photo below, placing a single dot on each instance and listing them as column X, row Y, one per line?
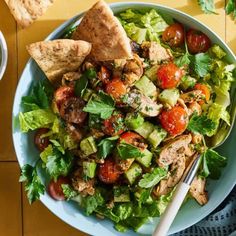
column 55, row 189
column 109, row 172
column 104, row 75
column 197, row 41
column 205, row 90
column 174, row 35
column 62, row 93
column 114, row 125
column 41, row 143
column 175, row 120
column 116, row 88
column 133, row 139
column 168, row 75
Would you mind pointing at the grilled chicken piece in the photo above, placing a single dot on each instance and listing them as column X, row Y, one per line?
column 173, row 150
column 82, row 186
column 75, row 132
column 194, row 107
column 124, row 165
column 144, row 104
column 155, row 52
column 197, row 190
column 195, row 95
column 133, row 70
column 71, row 76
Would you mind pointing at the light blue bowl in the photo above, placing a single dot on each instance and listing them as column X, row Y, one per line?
column 191, row 212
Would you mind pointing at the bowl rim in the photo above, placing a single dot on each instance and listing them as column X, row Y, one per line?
column 4, row 52
column 58, row 32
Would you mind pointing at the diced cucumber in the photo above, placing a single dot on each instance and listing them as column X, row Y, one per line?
column 157, row 136
column 87, row 94
column 146, row 159
column 133, row 172
column 88, row 146
column 121, row 194
column 133, row 120
column 151, row 73
column 145, row 129
column 169, row 96
column 89, row 168
column 147, row 87
column 187, row 82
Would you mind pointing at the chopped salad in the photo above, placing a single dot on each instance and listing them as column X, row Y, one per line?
column 117, row 136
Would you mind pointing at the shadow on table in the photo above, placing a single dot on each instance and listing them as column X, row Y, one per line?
column 194, row 9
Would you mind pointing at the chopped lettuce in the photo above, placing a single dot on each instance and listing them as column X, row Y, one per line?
column 217, row 51
column 48, row 151
column 163, row 201
column 142, row 27
column 35, row 119
column 222, row 93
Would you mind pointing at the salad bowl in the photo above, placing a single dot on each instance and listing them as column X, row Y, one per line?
column 69, row 212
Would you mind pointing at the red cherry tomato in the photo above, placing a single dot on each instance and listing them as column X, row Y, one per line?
column 174, row 35
column 41, row 143
column 104, row 75
column 116, row 88
column 55, row 189
column 108, row 172
column 205, row 90
column 62, row 93
column 168, row 75
column 197, row 41
column 114, row 125
column 174, row 120
column 131, row 138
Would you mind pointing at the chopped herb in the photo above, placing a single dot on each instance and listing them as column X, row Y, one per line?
column 127, row 151
column 106, row 146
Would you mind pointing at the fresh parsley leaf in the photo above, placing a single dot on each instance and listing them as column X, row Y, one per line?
column 90, row 203
column 33, row 184
column 183, row 60
column 57, row 145
column 208, row 6
column 102, row 105
column 127, row 151
column 80, row 86
column 201, row 64
column 59, row 164
column 212, row 164
column 201, row 124
column 90, row 73
column 68, row 191
column 151, row 179
column 104, row 211
column 106, row 146
column 40, row 96
column 231, row 8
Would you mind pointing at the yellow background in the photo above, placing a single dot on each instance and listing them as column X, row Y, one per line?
column 17, row 217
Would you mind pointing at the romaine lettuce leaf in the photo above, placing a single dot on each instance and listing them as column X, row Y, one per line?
column 163, row 201
column 35, row 119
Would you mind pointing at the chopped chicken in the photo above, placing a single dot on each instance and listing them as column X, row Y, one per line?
column 194, row 107
column 124, row 165
column 195, row 95
column 173, row 150
column 155, row 52
column 197, row 190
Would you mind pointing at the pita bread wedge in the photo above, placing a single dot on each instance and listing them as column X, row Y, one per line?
column 101, row 28
column 27, row 11
column 60, row 56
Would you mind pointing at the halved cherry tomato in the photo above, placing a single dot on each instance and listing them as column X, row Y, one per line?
column 169, row 75
column 114, row 125
column 205, row 90
column 116, row 88
column 133, row 139
column 109, row 172
column 197, row 41
column 174, row 35
column 104, row 75
column 41, row 143
column 55, row 189
column 175, row 120
column 62, row 93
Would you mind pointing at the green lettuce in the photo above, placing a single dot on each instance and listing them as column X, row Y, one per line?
column 142, row 27
column 163, row 201
column 48, row 151
column 36, row 119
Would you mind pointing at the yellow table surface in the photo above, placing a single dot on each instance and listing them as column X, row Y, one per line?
column 17, row 217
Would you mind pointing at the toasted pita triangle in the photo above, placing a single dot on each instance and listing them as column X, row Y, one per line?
column 27, row 11
column 60, row 56
column 101, row 28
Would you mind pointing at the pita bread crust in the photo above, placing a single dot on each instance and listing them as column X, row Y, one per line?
column 27, row 11
column 101, row 28
column 60, row 56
